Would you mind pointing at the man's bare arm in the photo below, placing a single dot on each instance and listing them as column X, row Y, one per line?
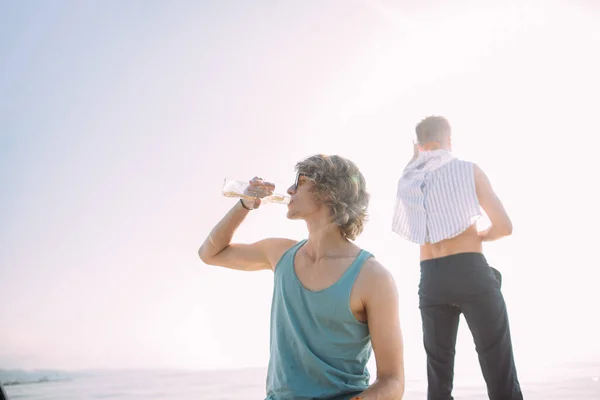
column 381, row 303
column 217, row 249
column 501, row 224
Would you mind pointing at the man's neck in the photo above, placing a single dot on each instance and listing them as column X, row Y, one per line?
column 325, row 240
column 432, row 146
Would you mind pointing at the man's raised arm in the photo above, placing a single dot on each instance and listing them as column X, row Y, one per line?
column 217, row 249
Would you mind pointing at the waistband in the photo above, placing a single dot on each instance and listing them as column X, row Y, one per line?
column 470, row 258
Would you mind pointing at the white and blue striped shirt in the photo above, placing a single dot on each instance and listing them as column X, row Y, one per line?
column 436, row 198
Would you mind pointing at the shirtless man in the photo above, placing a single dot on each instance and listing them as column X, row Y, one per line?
column 333, row 303
column 438, row 203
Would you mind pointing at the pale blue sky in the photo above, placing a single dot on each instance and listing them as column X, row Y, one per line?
column 119, row 121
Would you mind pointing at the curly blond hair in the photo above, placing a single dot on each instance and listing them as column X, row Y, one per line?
column 339, row 184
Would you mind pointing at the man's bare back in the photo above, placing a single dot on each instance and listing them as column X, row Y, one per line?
column 471, row 240
column 468, row 241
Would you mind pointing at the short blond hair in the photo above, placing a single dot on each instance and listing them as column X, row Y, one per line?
column 339, row 184
column 433, row 129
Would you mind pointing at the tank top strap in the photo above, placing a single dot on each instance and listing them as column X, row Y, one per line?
column 355, row 268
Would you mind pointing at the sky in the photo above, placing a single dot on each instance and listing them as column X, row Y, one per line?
column 120, row 120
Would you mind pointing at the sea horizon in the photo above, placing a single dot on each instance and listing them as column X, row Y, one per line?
column 572, row 380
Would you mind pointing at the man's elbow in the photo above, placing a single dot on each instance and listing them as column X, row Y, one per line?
column 392, row 386
column 502, row 228
column 205, row 257
column 396, row 387
column 507, row 228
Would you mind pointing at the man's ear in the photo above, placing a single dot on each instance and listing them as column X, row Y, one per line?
column 323, row 198
column 320, row 198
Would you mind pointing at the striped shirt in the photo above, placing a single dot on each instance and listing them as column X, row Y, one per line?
column 436, row 198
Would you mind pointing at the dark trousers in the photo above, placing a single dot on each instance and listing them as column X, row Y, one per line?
column 465, row 283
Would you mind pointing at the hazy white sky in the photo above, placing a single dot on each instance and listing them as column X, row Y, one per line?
column 120, row 120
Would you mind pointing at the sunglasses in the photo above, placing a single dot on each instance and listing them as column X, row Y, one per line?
column 297, row 182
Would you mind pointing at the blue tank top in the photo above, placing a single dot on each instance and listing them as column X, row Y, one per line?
column 318, row 348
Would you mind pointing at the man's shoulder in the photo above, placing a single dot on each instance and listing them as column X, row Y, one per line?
column 375, row 275
column 461, row 161
column 279, row 241
column 373, row 266
column 276, row 247
column 457, row 165
column 376, row 283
